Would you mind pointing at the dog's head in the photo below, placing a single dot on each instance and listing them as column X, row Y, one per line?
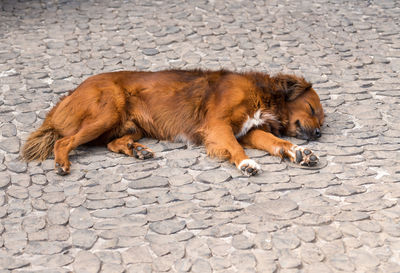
column 306, row 115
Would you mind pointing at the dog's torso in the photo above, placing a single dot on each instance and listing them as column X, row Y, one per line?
column 180, row 105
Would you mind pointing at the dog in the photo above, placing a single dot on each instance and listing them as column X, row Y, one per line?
column 222, row 110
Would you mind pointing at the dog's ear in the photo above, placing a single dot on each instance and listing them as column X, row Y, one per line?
column 291, row 85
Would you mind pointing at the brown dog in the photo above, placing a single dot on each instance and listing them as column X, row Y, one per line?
column 219, row 109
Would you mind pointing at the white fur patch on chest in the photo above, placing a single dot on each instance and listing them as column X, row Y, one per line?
column 257, row 120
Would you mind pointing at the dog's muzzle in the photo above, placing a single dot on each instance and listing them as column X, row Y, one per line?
column 312, row 134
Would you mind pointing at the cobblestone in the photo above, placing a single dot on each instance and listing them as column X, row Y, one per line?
column 86, row 262
column 80, row 218
column 58, row 214
column 182, row 211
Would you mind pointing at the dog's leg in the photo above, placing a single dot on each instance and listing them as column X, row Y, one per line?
column 90, row 130
column 262, row 140
column 221, row 142
column 127, row 145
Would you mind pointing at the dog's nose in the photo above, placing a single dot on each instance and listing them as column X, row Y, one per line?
column 317, row 132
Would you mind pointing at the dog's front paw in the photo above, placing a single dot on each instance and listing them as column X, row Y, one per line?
column 304, row 156
column 249, row 167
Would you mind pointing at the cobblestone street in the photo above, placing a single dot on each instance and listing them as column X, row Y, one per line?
column 183, row 211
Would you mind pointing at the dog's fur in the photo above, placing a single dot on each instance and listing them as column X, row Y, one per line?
column 222, row 110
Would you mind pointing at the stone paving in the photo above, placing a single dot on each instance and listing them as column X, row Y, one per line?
column 182, row 211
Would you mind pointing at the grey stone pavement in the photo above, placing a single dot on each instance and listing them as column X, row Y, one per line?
column 182, row 211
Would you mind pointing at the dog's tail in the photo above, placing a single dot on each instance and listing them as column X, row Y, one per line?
column 40, row 144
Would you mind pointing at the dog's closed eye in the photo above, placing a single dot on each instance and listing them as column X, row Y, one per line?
column 312, row 109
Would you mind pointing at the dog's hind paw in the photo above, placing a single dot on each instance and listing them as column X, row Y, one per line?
column 249, row 167
column 141, row 152
column 61, row 170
